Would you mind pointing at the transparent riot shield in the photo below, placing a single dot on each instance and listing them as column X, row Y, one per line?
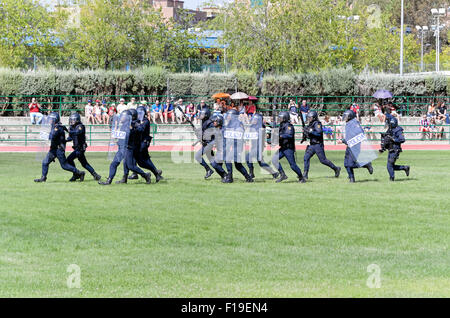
column 233, row 139
column 363, row 151
column 44, row 137
column 120, row 132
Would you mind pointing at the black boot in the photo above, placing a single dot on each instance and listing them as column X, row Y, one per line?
column 370, row 168
column 305, row 175
column 282, row 177
column 391, row 178
column 96, row 176
column 147, row 177
column 407, row 171
column 302, row 179
column 208, row 174
column 74, row 178
column 123, row 180
column 351, row 179
column 159, row 177
column 81, row 175
column 107, row 182
column 249, row 179
column 41, row 179
column 275, row 175
column 337, row 172
column 251, row 172
column 228, row 178
column 134, row 176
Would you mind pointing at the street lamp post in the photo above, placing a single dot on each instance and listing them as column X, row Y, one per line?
column 421, row 31
column 437, row 13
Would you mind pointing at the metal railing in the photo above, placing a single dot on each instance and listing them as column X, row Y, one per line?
column 27, row 135
column 332, row 105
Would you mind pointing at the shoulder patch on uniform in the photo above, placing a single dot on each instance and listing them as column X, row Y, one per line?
column 56, row 128
column 319, row 125
column 80, row 128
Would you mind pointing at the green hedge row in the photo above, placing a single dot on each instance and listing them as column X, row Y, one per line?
column 157, row 81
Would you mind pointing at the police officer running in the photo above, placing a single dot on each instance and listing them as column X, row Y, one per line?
column 256, row 137
column 314, row 132
column 141, row 153
column 77, row 134
column 394, row 137
column 233, row 146
column 205, row 138
column 57, row 139
column 287, row 148
column 350, row 161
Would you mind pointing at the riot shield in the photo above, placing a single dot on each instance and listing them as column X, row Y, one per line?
column 44, row 137
column 362, row 150
column 255, row 135
column 233, row 139
column 120, row 131
column 140, row 114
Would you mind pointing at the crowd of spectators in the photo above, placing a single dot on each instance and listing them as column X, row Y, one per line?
column 432, row 124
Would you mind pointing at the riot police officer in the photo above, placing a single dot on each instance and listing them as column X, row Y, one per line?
column 394, row 138
column 287, row 148
column 350, row 163
column 77, row 134
column 217, row 140
column 126, row 146
column 133, row 146
column 57, row 139
column 314, row 132
column 205, row 138
column 234, row 146
column 141, row 153
column 257, row 142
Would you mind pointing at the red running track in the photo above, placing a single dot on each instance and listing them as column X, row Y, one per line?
column 190, row 148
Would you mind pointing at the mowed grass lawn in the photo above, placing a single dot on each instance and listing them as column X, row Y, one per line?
column 187, row 237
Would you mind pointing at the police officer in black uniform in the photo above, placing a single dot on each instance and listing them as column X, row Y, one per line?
column 77, row 134
column 217, row 140
column 134, row 144
column 57, row 139
column 287, row 148
column 141, row 154
column 314, row 132
column 394, row 139
column 350, row 162
column 207, row 142
column 125, row 151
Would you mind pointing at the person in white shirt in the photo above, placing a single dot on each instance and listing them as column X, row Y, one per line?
column 121, row 107
column 88, row 112
column 132, row 104
column 179, row 115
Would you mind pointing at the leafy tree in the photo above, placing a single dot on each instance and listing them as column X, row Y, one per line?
column 26, row 31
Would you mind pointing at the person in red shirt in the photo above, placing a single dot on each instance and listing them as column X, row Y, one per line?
column 35, row 112
column 112, row 110
column 355, row 108
column 250, row 109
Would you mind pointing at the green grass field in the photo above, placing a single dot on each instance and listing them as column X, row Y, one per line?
column 187, row 237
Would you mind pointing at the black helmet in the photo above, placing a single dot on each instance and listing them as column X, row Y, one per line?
column 133, row 113
column 74, row 119
column 54, row 118
column 205, row 113
column 312, row 116
column 348, row 115
column 393, row 122
column 283, row 117
column 217, row 119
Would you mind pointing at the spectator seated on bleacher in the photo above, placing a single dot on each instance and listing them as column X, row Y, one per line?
column 441, row 113
column 327, row 127
column 424, row 128
column 35, row 112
